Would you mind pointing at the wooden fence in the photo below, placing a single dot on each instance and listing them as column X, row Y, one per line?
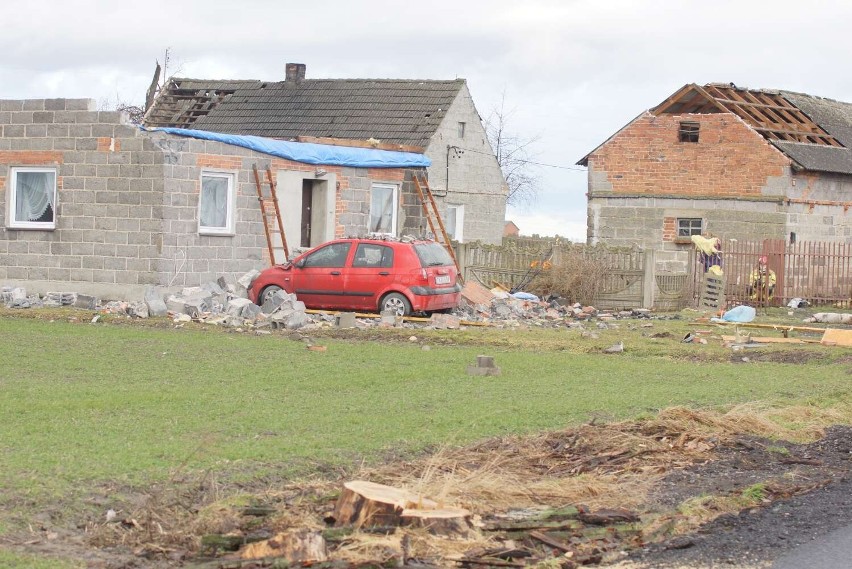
column 514, row 267
column 818, row 272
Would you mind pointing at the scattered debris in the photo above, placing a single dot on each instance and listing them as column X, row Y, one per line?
column 830, row 318
column 222, row 303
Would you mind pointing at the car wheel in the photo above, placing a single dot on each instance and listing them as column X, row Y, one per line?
column 396, row 303
column 268, row 293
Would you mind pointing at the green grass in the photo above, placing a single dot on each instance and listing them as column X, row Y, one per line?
column 88, row 404
column 9, row 560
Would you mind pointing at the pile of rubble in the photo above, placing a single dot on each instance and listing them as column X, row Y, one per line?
column 499, row 307
column 222, row 303
column 218, row 302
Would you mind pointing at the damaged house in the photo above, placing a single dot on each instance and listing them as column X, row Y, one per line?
column 746, row 164
column 94, row 204
column 435, row 118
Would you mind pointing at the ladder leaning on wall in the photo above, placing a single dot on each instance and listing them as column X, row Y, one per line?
column 433, row 217
column 271, row 214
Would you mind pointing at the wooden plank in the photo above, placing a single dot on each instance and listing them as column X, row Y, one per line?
column 546, row 539
column 771, row 340
column 778, row 327
column 834, row 337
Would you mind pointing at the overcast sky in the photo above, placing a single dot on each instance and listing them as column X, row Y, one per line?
column 573, row 71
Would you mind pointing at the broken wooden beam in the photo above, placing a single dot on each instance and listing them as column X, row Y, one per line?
column 299, row 546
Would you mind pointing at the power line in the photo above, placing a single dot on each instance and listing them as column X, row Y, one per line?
column 528, row 161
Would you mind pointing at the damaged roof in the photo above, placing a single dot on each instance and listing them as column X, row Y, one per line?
column 814, row 132
column 391, row 110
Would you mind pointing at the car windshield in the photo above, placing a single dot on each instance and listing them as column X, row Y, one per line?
column 432, row 254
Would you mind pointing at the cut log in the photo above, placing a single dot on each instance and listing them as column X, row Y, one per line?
column 607, row 516
column 295, row 546
column 452, row 522
column 366, row 504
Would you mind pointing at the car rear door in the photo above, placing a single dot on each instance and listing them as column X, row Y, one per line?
column 371, row 274
column 318, row 281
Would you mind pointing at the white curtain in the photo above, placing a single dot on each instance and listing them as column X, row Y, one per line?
column 34, row 193
column 214, row 201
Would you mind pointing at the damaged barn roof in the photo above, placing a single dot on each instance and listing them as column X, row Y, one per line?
column 391, row 110
column 814, row 132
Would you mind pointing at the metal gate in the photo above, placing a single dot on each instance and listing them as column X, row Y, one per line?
column 819, row 272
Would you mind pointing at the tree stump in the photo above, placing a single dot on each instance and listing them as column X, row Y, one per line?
column 453, row 522
column 366, row 504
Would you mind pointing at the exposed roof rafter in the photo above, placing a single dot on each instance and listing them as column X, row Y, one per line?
column 769, row 113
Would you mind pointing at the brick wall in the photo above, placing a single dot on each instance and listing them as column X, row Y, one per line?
column 729, row 159
column 644, row 179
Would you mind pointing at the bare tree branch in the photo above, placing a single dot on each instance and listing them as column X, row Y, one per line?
column 514, row 154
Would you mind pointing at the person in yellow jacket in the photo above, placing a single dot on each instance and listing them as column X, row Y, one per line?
column 762, row 281
column 709, row 252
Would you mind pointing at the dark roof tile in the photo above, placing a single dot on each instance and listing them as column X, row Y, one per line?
column 396, row 111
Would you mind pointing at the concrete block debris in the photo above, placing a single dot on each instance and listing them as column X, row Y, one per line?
column 86, row 302
column 56, row 299
column 244, row 283
column 484, row 366
column 445, row 321
column 345, row 320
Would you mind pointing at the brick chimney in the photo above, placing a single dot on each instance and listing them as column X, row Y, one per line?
column 295, row 72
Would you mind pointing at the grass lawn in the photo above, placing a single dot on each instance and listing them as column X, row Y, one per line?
column 97, row 410
column 86, row 403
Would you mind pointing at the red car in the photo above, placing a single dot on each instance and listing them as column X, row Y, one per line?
column 369, row 275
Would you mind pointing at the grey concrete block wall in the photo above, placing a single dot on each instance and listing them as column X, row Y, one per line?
column 126, row 207
column 475, row 179
column 99, row 240
column 638, row 222
column 127, row 203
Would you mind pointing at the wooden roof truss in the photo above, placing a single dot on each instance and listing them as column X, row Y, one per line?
column 180, row 108
column 769, row 113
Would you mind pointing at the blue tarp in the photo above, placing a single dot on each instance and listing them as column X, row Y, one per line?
column 310, row 153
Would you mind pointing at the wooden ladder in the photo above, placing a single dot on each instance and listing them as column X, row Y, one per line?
column 271, row 214
column 433, row 216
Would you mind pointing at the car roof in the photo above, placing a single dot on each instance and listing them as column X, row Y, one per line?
column 388, row 240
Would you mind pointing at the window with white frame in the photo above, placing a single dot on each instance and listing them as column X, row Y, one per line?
column 216, row 203
column 383, row 206
column 454, row 222
column 32, row 198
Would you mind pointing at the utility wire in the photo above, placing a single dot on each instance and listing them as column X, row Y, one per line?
column 528, row 161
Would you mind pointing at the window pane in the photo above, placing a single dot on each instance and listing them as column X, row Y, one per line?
column 368, row 255
column 432, row 254
column 382, row 210
column 214, row 202
column 333, row 255
column 450, row 221
column 34, row 192
column 688, row 227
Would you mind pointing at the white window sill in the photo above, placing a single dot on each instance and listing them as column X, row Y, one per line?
column 31, row 227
